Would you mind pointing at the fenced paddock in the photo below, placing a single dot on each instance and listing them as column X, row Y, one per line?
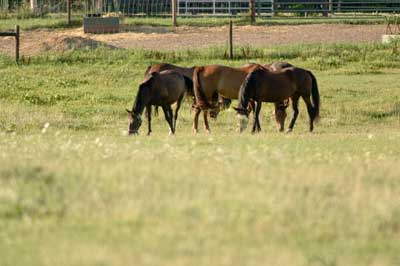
column 75, row 190
column 195, row 8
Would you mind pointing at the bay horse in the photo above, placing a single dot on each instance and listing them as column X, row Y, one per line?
column 223, row 103
column 264, row 85
column 159, row 89
column 226, row 81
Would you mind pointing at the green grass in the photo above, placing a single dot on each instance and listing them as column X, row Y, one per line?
column 80, row 192
column 55, row 21
column 244, row 20
column 50, row 21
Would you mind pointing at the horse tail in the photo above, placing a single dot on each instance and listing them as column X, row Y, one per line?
column 201, row 99
column 315, row 95
column 189, row 85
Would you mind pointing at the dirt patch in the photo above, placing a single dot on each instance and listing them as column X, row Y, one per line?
column 64, row 43
column 164, row 38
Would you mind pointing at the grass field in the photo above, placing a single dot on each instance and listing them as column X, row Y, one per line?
column 75, row 190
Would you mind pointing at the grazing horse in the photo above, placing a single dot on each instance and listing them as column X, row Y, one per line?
column 226, row 81
column 223, row 103
column 212, row 79
column 263, row 85
column 159, row 89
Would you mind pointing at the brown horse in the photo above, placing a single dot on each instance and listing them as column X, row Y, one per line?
column 226, row 81
column 159, row 89
column 223, row 103
column 264, row 85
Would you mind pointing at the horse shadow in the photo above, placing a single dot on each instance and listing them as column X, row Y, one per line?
column 393, row 112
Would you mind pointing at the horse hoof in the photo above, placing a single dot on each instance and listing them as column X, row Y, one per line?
column 208, row 131
column 289, row 131
column 195, row 131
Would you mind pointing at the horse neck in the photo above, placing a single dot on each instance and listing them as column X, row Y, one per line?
column 247, row 90
column 141, row 101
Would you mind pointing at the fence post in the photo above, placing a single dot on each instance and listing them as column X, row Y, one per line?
column 69, row 11
column 173, row 9
column 213, row 7
column 325, row 8
column 272, row 8
column 17, row 44
column 331, row 7
column 252, row 11
column 230, row 40
column 33, row 5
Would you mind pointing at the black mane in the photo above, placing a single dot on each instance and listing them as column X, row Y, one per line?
column 248, row 88
column 143, row 97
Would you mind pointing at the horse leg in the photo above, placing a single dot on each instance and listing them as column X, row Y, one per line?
column 310, row 110
column 205, row 120
column 256, row 125
column 280, row 115
column 178, row 105
column 196, row 119
column 148, row 111
column 295, row 106
column 167, row 112
column 171, row 120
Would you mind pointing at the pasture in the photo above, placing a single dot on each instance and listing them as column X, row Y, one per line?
column 75, row 190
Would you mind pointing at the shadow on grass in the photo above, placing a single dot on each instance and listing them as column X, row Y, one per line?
column 394, row 112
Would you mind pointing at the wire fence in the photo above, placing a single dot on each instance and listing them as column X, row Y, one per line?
column 29, row 8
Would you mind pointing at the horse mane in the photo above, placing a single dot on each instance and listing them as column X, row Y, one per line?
column 143, row 93
column 248, row 87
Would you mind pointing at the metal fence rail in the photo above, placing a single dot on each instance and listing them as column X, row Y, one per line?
column 271, row 7
column 215, row 7
column 202, row 7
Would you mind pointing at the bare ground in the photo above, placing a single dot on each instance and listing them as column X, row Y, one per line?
column 163, row 38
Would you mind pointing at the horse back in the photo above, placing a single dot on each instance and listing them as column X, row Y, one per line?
column 302, row 79
column 157, row 68
column 170, row 86
column 223, row 79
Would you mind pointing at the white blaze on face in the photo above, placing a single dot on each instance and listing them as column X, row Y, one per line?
column 242, row 122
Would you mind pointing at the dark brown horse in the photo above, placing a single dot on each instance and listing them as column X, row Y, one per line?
column 159, row 89
column 264, row 85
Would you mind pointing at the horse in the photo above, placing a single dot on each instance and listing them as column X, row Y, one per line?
column 223, row 103
column 264, row 85
column 226, row 81
column 159, row 89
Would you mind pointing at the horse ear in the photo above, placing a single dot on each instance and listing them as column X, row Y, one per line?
column 236, row 109
column 129, row 112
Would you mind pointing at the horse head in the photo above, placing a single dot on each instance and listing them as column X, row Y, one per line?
column 135, row 121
